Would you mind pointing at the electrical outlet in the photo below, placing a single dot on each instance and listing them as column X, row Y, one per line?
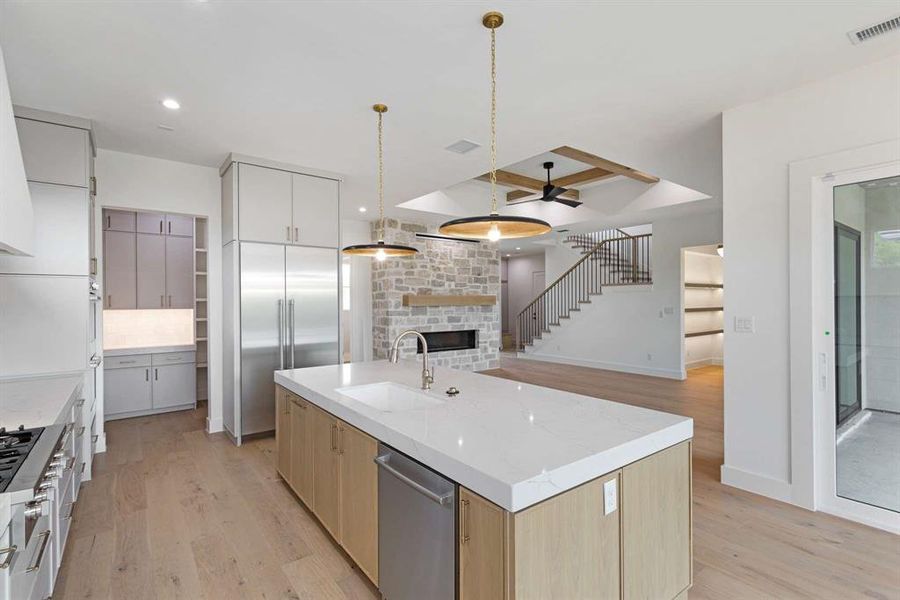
column 610, row 496
column 669, row 310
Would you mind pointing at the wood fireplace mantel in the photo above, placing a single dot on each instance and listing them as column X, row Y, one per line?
column 448, row 300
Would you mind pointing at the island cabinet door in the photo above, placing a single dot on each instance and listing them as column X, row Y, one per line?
column 359, row 498
column 302, row 450
column 326, row 472
column 568, row 546
column 283, row 432
column 656, row 525
column 482, row 548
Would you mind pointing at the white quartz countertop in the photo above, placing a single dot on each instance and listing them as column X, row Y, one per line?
column 514, row 443
column 36, row 401
column 148, row 350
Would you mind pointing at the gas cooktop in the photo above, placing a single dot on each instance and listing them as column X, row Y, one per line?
column 14, row 447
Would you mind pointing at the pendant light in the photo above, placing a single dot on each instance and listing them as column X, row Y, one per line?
column 494, row 226
column 380, row 251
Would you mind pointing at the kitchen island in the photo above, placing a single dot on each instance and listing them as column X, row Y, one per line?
column 560, row 495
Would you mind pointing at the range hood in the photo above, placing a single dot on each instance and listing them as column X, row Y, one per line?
column 16, row 216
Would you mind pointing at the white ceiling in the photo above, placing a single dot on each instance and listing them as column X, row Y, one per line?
column 642, row 84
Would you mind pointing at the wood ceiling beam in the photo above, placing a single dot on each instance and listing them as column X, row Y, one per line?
column 595, row 174
column 518, row 195
column 595, row 161
column 523, row 182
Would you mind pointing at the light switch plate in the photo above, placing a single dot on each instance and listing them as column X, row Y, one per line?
column 610, row 496
column 744, row 324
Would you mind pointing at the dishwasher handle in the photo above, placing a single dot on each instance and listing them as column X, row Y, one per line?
column 445, row 500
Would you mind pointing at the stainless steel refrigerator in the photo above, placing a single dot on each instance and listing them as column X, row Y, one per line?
column 284, row 315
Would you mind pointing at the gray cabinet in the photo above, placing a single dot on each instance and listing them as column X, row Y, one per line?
column 180, row 225
column 150, row 270
column 264, row 212
column 53, row 153
column 148, row 222
column 174, row 385
column 179, row 258
column 127, row 390
column 316, row 216
column 145, row 266
column 119, row 274
column 141, row 384
column 61, row 239
column 118, row 220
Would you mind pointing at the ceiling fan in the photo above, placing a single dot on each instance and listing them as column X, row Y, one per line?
column 552, row 193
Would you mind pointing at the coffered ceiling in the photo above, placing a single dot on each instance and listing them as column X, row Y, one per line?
column 642, row 84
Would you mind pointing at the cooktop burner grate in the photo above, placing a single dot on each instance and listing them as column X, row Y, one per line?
column 14, row 448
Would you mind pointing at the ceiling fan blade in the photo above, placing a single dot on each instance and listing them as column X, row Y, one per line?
column 567, row 202
column 551, row 192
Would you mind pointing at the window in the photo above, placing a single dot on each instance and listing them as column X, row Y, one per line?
column 345, row 285
column 886, row 249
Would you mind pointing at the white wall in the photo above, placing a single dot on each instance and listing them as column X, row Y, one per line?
column 519, row 276
column 628, row 328
column 707, row 349
column 152, row 184
column 16, row 215
column 850, row 110
column 359, row 318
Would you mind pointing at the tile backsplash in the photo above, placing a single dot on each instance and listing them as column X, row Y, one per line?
column 147, row 328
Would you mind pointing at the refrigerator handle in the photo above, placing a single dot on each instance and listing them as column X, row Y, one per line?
column 291, row 328
column 281, row 334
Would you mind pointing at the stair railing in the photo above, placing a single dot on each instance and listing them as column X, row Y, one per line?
column 613, row 261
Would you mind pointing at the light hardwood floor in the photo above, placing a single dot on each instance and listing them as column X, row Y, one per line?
column 174, row 513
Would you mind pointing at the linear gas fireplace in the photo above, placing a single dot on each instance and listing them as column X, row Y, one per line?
column 445, row 341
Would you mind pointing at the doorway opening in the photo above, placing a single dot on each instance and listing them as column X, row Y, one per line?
column 703, row 302
column 867, row 341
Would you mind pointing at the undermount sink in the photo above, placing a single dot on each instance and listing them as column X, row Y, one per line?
column 389, row 397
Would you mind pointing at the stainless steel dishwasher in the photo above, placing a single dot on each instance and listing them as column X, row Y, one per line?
column 416, row 530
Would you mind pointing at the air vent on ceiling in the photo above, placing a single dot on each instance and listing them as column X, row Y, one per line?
column 858, row 36
column 462, row 146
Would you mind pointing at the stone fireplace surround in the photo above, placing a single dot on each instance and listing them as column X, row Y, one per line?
column 441, row 267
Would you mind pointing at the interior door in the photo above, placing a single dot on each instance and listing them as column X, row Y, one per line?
column 312, row 307
column 315, row 211
column 151, row 271
column 262, row 318
column 179, row 272
column 847, row 320
column 264, row 204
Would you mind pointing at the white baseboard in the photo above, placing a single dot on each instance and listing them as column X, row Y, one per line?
column 214, row 425
column 704, row 362
column 608, row 366
column 756, row 483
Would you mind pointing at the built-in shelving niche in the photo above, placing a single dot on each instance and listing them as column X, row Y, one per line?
column 201, row 311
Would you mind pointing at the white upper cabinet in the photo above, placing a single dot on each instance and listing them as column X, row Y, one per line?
column 61, row 247
column 179, row 225
column 16, row 219
column 264, row 213
column 316, row 216
column 55, row 153
column 118, row 220
column 179, row 272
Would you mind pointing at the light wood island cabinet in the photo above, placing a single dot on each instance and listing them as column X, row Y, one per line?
column 330, row 465
column 625, row 535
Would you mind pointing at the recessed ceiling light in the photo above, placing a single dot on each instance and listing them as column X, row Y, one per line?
column 362, row 209
column 518, row 248
column 165, row 127
column 462, row 146
column 171, row 104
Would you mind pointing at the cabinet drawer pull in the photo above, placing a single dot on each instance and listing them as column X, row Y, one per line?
column 108, row 222
column 333, row 445
column 9, row 552
column 80, row 402
column 127, row 362
column 296, row 234
column 93, row 266
column 80, row 431
column 146, row 374
column 170, row 226
column 94, row 438
column 45, row 535
column 162, row 302
column 71, row 510
column 155, row 374
column 287, row 231
column 465, row 521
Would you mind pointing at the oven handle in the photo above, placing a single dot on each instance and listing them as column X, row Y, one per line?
column 40, row 556
column 9, row 552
